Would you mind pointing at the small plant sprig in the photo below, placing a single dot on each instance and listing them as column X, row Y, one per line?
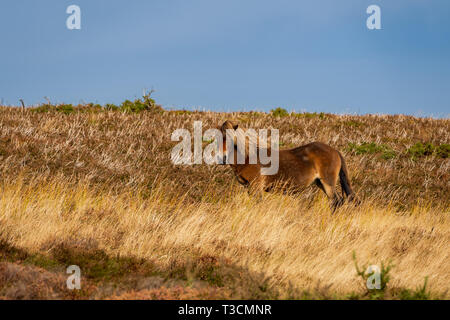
column 384, row 278
column 419, row 293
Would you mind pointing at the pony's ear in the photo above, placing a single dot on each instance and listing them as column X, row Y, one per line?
column 227, row 125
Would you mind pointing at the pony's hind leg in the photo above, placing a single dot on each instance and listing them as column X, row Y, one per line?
column 330, row 191
column 320, row 186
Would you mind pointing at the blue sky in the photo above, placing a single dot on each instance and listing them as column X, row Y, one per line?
column 231, row 55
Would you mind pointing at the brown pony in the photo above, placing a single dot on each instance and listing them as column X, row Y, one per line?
column 297, row 168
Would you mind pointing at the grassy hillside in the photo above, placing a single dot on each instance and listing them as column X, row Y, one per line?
column 95, row 187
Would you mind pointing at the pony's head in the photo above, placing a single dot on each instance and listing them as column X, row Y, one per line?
column 227, row 125
column 237, row 144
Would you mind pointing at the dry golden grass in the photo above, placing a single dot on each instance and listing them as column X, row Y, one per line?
column 103, row 182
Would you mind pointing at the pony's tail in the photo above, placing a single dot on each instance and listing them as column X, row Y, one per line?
column 345, row 183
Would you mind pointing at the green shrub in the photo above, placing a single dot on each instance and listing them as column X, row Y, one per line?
column 129, row 106
column 353, row 123
column 310, row 115
column 146, row 103
column 182, row 112
column 443, row 151
column 111, row 107
column 419, row 149
column 372, row 148
column 427, row 149
column 43, row 108
column 388, row 154
column 279, row 112
column 364, row 148
column 139, row 105
column 65, row 108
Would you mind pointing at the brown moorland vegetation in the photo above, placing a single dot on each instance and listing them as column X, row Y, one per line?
column 95, row 187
